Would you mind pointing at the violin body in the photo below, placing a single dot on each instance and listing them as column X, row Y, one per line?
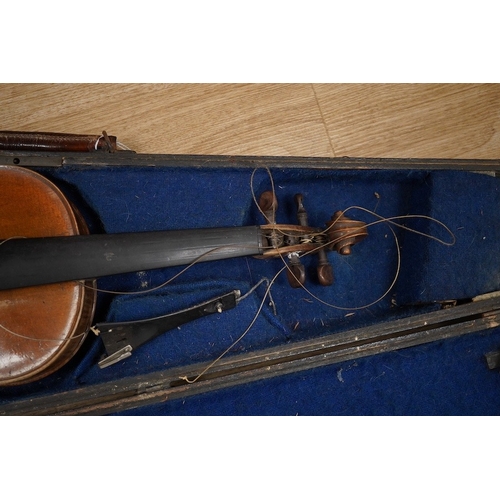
column 43, row 326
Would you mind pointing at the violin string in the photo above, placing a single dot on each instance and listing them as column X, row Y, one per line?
column 254, row 196
column 353, row 207
column 271, row 283
column 358, row 308
column 272, row 304
column 263, row 301
column 167, row 282
column 266, row 294
column 12, row 238
column 114, row 292
column 389, row 220
column 39, row 339
column 83, row 284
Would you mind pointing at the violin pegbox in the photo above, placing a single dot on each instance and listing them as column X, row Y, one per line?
column 296, row 240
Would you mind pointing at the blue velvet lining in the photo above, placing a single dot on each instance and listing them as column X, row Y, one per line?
column 443, row 378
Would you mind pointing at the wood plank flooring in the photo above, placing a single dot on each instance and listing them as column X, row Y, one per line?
column 366, row 120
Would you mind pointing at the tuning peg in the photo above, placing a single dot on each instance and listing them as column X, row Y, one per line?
column 295, row 272
column 268, row 204
column 301, row 211
column 325, row 269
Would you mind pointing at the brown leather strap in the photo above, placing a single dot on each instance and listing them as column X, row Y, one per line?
column 50, row 141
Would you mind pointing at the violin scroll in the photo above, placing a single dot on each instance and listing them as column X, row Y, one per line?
column 343, row 233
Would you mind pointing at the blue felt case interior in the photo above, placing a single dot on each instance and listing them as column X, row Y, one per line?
column 447, row 377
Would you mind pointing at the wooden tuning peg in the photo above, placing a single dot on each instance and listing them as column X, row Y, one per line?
column 295, row 272
column 268, row 204
column 325, row 269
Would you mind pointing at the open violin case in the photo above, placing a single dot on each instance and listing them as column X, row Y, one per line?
column 410, row 324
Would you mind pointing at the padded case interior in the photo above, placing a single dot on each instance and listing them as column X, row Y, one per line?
column 447, row 377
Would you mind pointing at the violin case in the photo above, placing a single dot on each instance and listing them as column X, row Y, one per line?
column 409, row 326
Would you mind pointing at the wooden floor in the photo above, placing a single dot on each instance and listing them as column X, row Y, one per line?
column 397, row 120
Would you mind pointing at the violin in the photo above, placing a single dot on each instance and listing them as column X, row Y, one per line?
column 46, row 252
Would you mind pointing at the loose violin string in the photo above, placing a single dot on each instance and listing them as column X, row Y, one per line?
column 389, row 221
column 268, row 289
column 167, row 282
column 356, row 207
column 12, row 238
column 365, row 306
column 252, row 189
column 286, row 266
column 39, row 339
column 195, row 261
column 83, row 284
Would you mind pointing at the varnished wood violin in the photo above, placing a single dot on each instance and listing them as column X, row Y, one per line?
column 46, row 250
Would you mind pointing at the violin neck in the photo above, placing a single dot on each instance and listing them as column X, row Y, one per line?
column 37, row 261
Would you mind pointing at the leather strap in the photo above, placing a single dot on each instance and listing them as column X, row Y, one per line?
column 50, row 141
